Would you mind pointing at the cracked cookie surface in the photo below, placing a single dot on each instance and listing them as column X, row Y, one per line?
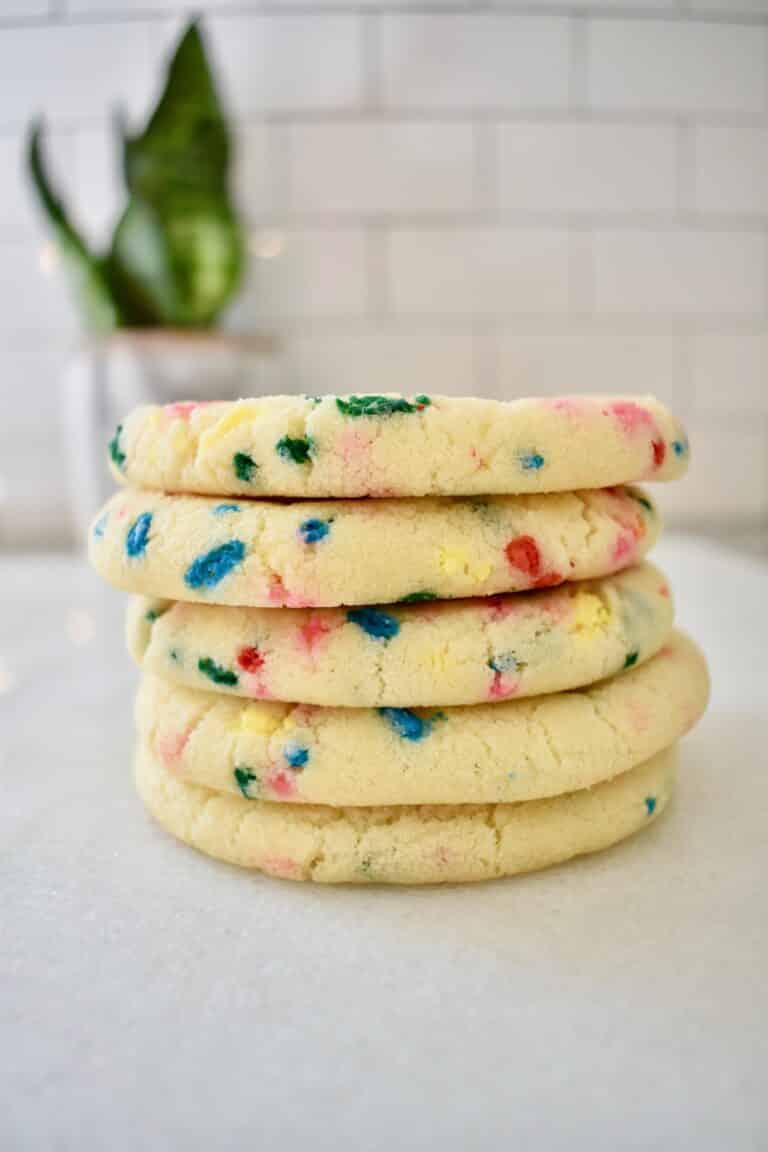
column 409, row 655
column 406, row 845
column 392, row 445
column 509, row 751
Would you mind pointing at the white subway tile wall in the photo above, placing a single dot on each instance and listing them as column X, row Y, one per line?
column 524, row 197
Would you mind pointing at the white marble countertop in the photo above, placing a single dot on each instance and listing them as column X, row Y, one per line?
column 152, row 999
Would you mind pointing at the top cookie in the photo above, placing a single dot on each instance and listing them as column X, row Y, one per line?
column 392, row 446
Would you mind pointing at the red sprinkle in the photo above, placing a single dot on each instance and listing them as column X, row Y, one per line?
column 523, row 554
column 250, row 659
column 549, row 580
column 659, row 452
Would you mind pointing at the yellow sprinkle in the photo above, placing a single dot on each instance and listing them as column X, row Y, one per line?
column 455, row 560
column 239, row 414
column 590, row 615
column 262, row 719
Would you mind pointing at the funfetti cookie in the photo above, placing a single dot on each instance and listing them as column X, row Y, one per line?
column 310, row 446
column 362, row 552
column 502, row 752
column 409, row 655
column 422, row 845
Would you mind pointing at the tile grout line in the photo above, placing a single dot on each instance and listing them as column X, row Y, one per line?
column 579, row 62
column 370, row 61
column 685, row 172
column 486, row 191
column 378, row 302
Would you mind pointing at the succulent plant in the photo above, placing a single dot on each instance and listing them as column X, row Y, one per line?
column 177, row 253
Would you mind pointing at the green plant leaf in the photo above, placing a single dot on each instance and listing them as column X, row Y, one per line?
column 185, row 147
column 177, row 175
column 139, row 266
column 85, row 271
column 174, row 269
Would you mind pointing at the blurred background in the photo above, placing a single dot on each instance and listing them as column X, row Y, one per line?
column 509, row 199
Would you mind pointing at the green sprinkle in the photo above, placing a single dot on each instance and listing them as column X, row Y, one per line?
column 417, row 597
column 217, row 673
column 244, row 466
column 244, row 777
column 116, row 454
column 299, row 448
column 642, row 500
column 175, row 655
column 355, row 406
column 153, row 614
column 631, row 659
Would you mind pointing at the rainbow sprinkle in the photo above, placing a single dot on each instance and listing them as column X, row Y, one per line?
column 208, row 570
column 137, row 537
column 378, row 625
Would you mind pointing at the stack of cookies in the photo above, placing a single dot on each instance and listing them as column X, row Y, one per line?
column 400, row 640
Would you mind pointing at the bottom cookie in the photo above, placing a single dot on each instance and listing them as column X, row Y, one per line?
column 437, row 844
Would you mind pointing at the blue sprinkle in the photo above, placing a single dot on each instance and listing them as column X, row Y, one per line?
column 296, row 755
column 100, row 525
column 377, row 624
column 313, row 530
column 138, row 535
column 506, row 662
column 679, row 447
column 650, row 805
column 406, row 723
column 222, row 509
column 207, row 570
column 531, row 461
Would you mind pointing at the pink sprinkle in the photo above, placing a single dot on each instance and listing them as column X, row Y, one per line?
column 281, row 866
column 664, row 591
column 279, row 595
column 312, row 633
column 281, row 783
column 624, row 549
column 500, row 688
column 171, row 746
column 480, row 461
column 630, row 415
column 568, row 405
column 254, row 686
column 184, row 409
column 353, row 445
